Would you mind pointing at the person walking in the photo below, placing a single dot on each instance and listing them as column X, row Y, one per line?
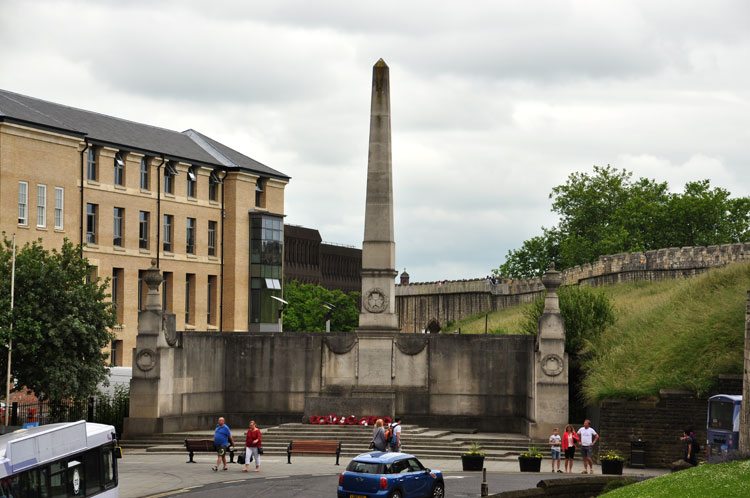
column 252, row 443
column 378, row 436
column 396, row 431
column 589, row 437
column 569, row 439
column 222, row 441
column 691, row 447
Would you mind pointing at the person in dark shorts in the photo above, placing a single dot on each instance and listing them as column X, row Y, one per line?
column 569, row 439
column 222, row 441
column 691, row 447
column 589, row 437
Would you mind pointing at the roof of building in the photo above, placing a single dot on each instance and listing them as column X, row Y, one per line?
column 189, row 146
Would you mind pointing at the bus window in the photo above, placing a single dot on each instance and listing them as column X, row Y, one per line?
column 57, row 483
column 34, row 484
column 107, row 466
column 720, row 415
column 92, row 461
column 9, row 487
column 75, row 478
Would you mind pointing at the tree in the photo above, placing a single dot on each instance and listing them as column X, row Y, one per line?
column 608, row 213
column 306, row 313
column 62, row 320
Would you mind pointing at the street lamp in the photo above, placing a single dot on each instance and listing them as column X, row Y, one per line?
column 329, row 307
column 284, row 304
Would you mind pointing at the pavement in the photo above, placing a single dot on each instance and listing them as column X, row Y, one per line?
column 155, row 475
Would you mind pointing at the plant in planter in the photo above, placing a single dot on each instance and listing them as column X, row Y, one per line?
column 474, row 458
column 612, row 463
column 531, row 461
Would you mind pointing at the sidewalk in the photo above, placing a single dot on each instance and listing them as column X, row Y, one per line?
column 144, row 474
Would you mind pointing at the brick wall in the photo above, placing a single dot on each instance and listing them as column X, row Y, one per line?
column 658, row 422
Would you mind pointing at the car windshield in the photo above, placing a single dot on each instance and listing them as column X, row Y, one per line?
column 363, row 467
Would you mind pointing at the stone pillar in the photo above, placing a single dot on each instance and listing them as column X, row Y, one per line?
column 151, row 384
column 379, row 248
column 549, row 406
column 745, row 414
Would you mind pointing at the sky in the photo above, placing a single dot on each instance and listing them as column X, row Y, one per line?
column 493, row 103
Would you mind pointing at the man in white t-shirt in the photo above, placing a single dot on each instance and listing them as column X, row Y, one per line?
column 396, row 426
column 589, row 437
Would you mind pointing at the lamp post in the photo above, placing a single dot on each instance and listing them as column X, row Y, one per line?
column 329, row 307
column 281, row 310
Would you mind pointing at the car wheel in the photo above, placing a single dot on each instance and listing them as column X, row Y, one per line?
column 438, row 491
column 396, row 494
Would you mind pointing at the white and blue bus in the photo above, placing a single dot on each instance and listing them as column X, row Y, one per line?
column 59, row 461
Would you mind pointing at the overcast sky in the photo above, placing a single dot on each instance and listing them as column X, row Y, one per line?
column 493, row 103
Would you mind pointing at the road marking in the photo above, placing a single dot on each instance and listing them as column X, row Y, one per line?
column 454, row 477
column 230, row 482
column 278, row 477
column 168, row 493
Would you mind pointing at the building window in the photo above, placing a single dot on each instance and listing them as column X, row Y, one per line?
column 190, row 298
column 190, row 236
column 59, row 203
column 144, row 174
column 117, row 227
column 41, row 206
column 23, row 203
column 260, row 198
column 143, row 229
column 213, row 186
column 117, row 292
column 166, row 291
column 266, row 250
column 211, row 300
column 91, row 223
column 212, row 238
column 119, row 170
column 192, row 182
column 169, row 173
column 115, row 354
column 168, row 223
column 142, row 290
column 91, row 164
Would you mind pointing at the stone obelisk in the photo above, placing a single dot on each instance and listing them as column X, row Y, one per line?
column 379, row 248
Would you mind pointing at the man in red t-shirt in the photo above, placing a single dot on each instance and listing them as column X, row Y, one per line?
column 252, row 443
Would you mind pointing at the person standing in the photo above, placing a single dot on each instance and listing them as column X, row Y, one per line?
column 691, row 450
column 252, row 443
column 555, row 441
column 569, row 446
column 222, row 441
column 589, row 437
column 396, row 430
column 378, row 436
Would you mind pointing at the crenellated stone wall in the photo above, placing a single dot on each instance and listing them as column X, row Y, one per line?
column 419, row 303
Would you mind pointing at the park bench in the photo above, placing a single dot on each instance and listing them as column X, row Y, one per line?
column 204, row 446
column 317, row 447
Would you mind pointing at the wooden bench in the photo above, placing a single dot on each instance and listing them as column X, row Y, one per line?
column 317, row 447
column 204, row 446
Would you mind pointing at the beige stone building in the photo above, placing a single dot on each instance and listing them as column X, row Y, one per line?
column 211, row 216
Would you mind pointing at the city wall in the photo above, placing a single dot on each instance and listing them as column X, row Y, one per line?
column 419, row 304
column 439, row 381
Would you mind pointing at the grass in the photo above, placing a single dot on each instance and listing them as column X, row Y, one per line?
column 679, row 333
column 721, row 480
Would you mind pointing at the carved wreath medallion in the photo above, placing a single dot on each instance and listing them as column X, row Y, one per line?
column 145, row 359
column 552, row 365
column 376, row 301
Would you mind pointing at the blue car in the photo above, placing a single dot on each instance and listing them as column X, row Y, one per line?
column 391, row 475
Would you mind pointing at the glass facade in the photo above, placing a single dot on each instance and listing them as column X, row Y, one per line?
column 266, row 256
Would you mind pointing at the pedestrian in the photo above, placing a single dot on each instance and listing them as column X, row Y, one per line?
column 691, row 447
column 378, row 436
column 569, row 439
column 555, row 441
column 589, row 437
column 222, row 441
column 252, row 443
column 395, row 444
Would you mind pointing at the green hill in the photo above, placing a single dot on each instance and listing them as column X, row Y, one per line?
column 679, row 333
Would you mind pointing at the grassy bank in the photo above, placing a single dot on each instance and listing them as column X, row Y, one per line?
column 722, row 480
column 672, row 334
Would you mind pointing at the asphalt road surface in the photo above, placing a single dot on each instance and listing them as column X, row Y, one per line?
column 457, row 485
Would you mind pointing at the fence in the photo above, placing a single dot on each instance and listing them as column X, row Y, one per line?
column 103, row 409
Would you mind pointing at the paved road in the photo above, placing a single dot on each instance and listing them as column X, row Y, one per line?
column 154, row 474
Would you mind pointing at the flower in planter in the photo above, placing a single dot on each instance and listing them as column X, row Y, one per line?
column 612, row 455
column 475, row 450
column 532, row 453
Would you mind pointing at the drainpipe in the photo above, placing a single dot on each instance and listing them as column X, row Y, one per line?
column 158, row 210
column 221, row 287
column 83, row 215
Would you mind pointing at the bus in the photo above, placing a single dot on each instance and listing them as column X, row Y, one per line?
column 723, row 425
column 59, row 461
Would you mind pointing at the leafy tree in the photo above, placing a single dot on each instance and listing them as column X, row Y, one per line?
column 306, row 313
column 61, row 319
column 608, row 212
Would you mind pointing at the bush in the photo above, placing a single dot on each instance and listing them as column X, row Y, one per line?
column 113, row 409
column 617, row 483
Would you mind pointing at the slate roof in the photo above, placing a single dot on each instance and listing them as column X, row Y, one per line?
column 188, row 146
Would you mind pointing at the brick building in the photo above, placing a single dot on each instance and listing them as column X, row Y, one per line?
column 211, row 216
